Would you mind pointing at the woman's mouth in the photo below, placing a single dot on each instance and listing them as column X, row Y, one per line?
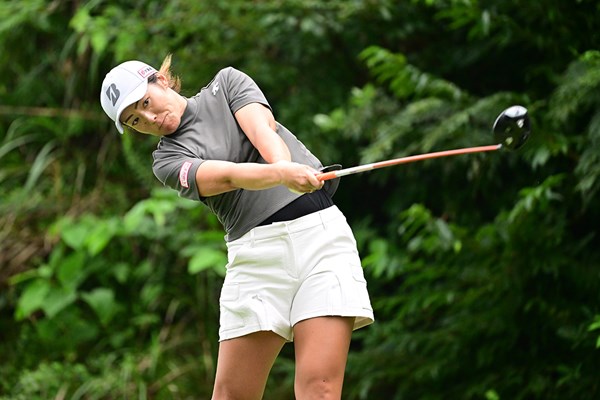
column 163, row 121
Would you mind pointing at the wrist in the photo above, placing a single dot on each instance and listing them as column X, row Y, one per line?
column 280, row 169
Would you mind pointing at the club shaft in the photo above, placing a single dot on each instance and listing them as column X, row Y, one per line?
column 404, row 160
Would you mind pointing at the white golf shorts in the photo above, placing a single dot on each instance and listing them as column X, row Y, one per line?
column 286, row 272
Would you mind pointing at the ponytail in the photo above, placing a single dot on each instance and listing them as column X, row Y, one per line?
column 165, row 69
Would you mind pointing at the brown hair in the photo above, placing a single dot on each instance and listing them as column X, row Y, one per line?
column 165, row 69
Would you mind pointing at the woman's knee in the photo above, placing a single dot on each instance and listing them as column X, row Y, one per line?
column 319, row 387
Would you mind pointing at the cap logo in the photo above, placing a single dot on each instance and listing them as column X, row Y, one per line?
column 146, row 71
column 113, row 94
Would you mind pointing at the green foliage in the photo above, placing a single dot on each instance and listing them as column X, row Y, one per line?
column 496, row 311
column 482, row 268
column 406, row 81
column 575, row 106
column 109, row 376
column 594, row 327
column 79, row 302
column 456, row 296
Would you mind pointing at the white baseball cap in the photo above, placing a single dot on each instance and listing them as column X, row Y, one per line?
column 124, row 85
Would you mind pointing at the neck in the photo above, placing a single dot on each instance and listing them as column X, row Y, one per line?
column 183, row 103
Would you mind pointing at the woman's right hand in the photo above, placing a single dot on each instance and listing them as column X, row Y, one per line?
column 298, row 178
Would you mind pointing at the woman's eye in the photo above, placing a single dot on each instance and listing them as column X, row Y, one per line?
column 135, row 121
column 146, row 102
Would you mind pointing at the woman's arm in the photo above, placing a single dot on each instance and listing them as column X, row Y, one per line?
column 259, row 125
column 215, row 177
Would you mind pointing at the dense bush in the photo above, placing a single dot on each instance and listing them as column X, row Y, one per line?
column 483, row 269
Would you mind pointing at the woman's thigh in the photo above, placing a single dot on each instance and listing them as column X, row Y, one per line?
column 321, row 345
column 244, row 363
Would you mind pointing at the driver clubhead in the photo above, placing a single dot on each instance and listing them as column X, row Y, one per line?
column 512, row 127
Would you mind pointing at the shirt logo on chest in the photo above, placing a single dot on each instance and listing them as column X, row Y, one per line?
column 215, row 88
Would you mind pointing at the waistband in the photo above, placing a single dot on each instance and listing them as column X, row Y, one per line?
column 306, row 204
column 284, row 227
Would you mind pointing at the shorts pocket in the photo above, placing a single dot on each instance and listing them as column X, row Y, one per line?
column 358, row 275
column 230, row 316
column 234, row 251
column 230, row 292
column 360, row 284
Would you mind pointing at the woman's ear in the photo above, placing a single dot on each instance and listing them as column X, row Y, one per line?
column 162, row 80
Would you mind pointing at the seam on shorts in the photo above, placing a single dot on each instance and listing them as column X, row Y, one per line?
column 246, row 330
column 356, row 312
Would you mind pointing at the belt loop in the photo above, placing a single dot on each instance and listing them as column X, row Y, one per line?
column 287, row 229
column 252, row 237
column 323, row 220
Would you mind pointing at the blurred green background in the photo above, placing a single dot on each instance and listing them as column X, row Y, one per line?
column 484, row 270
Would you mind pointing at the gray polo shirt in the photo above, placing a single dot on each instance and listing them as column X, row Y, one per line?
column 209, row 131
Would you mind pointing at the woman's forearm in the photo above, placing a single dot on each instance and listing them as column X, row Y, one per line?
column 216, row 177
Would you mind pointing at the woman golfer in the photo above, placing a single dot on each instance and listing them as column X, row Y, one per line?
column 293, row 271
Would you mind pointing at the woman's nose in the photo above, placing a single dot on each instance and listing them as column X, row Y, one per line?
column 148, row 116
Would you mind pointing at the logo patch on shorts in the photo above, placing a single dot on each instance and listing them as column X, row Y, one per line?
column 183, row 174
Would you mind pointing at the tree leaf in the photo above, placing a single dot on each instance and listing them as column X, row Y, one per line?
column 57, row 300
column 207, row 258
column 71, row 271
column 32, row 298
column 101, row 235
column 102, row 301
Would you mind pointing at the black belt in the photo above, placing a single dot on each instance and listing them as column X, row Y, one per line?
column 306, row 204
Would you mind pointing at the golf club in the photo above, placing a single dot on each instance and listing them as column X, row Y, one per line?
column 510, row 130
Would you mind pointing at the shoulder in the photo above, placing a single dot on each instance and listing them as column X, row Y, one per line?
column 168, row 156
column 229, row 71
column 228, row 76
column 176, row 144
column 164, row 149
column 232, row 74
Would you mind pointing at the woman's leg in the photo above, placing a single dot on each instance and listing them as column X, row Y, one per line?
column 321, row 346
column 243, row 365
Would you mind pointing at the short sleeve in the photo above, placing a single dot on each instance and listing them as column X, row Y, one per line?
column 241, row 90
column 177, row 172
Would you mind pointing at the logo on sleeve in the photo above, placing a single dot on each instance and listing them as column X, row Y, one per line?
column 215, row 88
column 183, row 174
